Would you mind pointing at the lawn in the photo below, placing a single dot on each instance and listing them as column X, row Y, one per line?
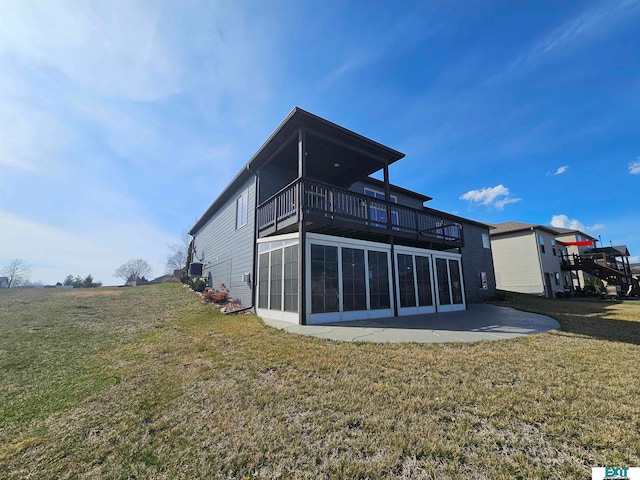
column 148, row 382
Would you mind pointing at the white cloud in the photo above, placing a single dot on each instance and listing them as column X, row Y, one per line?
column 634, row 167
column 561, row 170
column 496, row 197
column 102, row 247
column 634, row 259
column 563, row 221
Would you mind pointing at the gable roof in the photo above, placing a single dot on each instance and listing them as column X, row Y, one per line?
column 512, row 227
column 566, row 231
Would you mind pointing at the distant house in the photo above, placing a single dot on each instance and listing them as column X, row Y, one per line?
column 526, row 259
column 305, row 235
column 545, row 260
column 4, row 282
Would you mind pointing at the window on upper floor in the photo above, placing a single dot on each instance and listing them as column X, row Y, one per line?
column 486, row 243
column 378, row 211
column 242, row 209
column 557, row 278
column 553, row 247
column 541, row 240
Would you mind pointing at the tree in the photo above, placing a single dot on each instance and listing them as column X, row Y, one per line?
column 133, row 270
column 17, row 271
column 79, row 282
column 177, row 258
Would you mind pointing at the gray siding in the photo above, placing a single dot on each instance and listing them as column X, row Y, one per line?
column 228, row 253
column 550, row 263
column 403, row 199
column 476, row 259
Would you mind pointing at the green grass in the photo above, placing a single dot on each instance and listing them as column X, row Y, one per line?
column 148, row 382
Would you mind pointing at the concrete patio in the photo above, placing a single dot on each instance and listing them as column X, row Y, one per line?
column 479, row 322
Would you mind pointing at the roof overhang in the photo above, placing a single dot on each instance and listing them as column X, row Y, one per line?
column 335, row 155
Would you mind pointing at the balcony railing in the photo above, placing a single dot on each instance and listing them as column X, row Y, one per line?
column 330, row 205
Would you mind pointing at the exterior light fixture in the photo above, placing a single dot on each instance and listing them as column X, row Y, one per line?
column 336, row 165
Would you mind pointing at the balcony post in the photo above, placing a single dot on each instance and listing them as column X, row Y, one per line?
column 302, row 234
column 275, row 212
column 387, row 198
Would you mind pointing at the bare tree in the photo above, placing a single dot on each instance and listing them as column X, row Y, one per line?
column 177, row 258
column 17, row 272
column 134, row 270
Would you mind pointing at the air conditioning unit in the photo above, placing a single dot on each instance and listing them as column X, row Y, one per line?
column 195, row 269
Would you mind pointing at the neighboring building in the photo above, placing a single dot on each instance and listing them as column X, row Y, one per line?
column 574, row 242
column 526, row 259
column 305, row 235
column 545, row 260
column 4, row 282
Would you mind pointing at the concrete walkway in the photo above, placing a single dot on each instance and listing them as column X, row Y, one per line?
column 479, row 322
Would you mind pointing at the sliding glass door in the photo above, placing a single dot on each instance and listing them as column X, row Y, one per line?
column 450, row 290
column 414, row 283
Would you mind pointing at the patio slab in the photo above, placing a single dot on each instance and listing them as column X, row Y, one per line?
column 478, row 322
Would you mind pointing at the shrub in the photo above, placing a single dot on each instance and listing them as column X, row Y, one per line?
column 198, row 285
column 212, row 295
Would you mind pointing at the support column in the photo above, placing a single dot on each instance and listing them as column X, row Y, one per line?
column 387, row 197
column 302, row 230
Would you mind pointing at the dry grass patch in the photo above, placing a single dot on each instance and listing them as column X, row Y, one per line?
column 150, row 383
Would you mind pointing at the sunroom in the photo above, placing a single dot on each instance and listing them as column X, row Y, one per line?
column 352, row 279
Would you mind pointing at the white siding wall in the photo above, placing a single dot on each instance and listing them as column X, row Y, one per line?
column 516, row 263
column 228, row 253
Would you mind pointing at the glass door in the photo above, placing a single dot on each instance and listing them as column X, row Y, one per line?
column 414, row 284
column 450, row 289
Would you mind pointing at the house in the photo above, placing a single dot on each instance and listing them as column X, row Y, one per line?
column 304, row 234
column 576, row 243
column 526, row 259
column 609, row 264
column 550, row 261
column 4, row 282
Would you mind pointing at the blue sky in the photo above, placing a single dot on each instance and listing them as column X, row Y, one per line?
column 121, row 121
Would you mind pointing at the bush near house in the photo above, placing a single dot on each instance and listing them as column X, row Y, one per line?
column 220, row 297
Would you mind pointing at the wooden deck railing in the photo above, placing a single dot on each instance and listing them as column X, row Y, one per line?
column 329, row 204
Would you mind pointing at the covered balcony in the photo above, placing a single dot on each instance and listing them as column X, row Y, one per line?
column 338, row 211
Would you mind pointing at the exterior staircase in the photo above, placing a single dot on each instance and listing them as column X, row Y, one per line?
column 630, row 286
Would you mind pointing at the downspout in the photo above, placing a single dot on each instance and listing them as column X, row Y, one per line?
column 463, row 279
column 255, row 240
column 537, row 242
